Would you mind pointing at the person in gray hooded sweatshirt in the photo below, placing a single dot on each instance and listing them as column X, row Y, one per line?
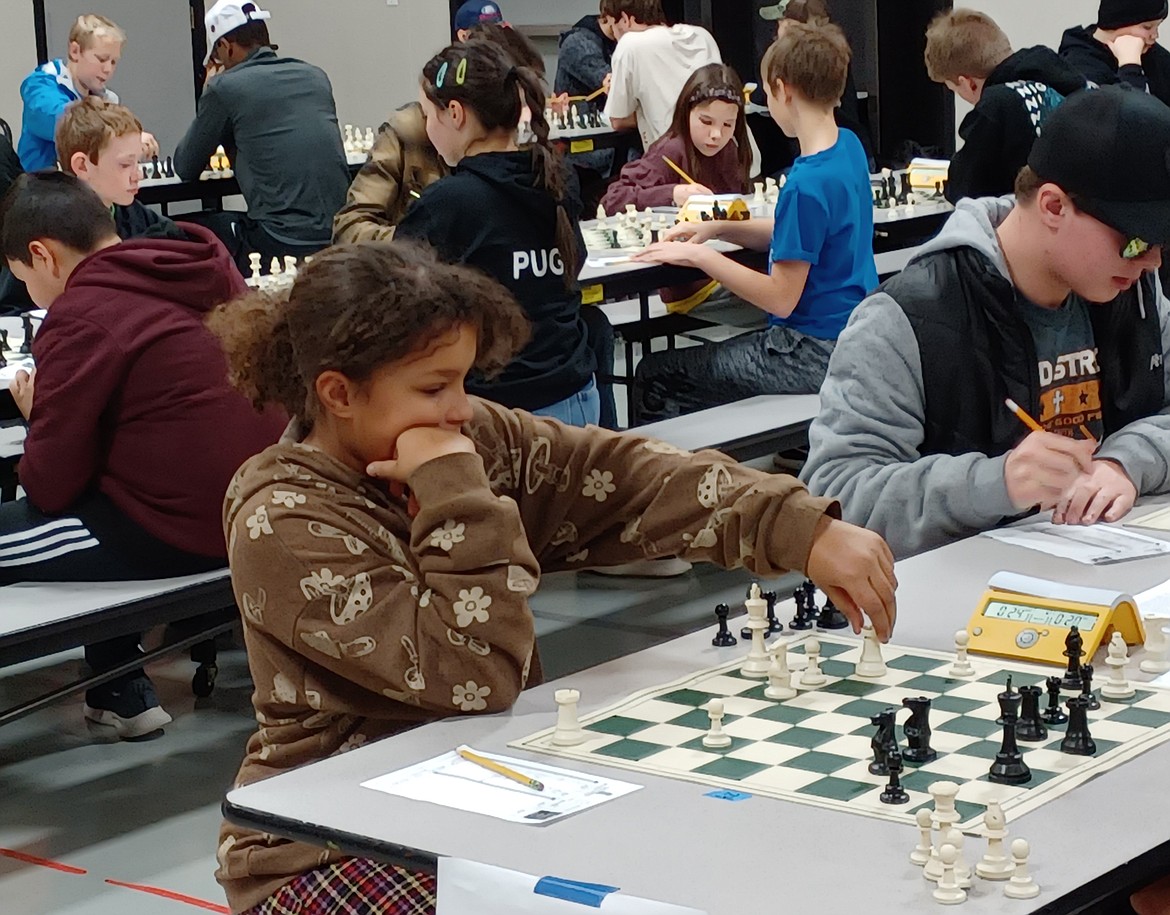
column 1049, row 299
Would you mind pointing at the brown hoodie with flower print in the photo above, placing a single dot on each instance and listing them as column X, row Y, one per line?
column 363, row 616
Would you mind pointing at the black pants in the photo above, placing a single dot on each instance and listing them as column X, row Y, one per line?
column 94, row 542
column 243, row 236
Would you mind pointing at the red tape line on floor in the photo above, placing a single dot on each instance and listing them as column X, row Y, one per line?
column 170, row 894
column 41, row 862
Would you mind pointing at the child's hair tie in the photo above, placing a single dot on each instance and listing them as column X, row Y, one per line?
column 461, row 72
column 441, row 76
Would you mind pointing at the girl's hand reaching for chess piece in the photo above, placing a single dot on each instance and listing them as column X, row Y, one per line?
column 696, row 232
column 855, row 569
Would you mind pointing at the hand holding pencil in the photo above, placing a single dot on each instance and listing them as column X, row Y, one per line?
column 1044, row 466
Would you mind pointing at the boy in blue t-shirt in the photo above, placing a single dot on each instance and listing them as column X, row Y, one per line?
column 820, row 245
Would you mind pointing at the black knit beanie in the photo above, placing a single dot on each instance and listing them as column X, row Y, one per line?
column 1117, row 14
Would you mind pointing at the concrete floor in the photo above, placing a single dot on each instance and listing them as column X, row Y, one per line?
column 80, row 819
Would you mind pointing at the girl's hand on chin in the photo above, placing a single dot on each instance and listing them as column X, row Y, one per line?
column 416, row 447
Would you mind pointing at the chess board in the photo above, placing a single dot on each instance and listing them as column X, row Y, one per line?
column 815, row 748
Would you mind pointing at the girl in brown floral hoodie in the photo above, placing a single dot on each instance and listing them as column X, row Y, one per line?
column 383, row 553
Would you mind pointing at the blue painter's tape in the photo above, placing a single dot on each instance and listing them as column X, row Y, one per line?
column 725, row 795
column 590, row 894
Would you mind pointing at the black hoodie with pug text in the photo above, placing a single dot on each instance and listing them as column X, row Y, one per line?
column 491, row 214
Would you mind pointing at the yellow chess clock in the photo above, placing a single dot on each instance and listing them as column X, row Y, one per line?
column 1029, row 618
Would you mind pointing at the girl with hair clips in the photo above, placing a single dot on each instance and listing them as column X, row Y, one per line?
column 383, row 553
column 511, row 212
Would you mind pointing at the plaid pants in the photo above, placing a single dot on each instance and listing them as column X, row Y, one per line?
column 353, row 886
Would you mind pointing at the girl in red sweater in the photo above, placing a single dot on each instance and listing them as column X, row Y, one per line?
column 708, row 140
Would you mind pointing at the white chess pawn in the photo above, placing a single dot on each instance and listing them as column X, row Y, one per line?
column 1117, row 686
column 948, row 891
column 779, row 676
column 994, row 865
column 290, row 265
column 632, row 209
column 922, row 851
column 962, row 667
column 812, row 675
column 1157, row 646
column 601, row 214
column 368, row 143
column 274, row 267
column 870, row 665
column 347, row 142
column 572, row 115
column 568, row 731
column 254, row 262
column 962, row 868
column 1021, row 886
column 716, row 738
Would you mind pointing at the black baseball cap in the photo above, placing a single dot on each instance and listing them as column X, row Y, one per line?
column 1109, row 149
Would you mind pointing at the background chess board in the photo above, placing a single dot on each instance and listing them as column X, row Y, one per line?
column 815, row 748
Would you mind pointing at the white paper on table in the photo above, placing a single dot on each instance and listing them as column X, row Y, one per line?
column 452, row 781
column 1155, row 601
column 1157, row 520
column 471, row 888
column 1097, row 544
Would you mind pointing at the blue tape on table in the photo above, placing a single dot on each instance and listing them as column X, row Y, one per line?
column 590, row 894
column 726, row 795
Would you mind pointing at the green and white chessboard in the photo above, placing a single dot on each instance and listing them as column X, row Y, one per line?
column 815, row 748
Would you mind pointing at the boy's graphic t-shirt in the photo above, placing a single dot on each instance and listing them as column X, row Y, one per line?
column 824, row 217
column 1070, row 378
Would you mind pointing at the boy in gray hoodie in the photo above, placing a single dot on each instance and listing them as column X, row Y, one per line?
column 1050, row 300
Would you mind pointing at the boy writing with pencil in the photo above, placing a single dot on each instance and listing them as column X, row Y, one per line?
column 1050, row 302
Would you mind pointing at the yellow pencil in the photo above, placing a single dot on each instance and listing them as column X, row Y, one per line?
column 500, row 769
column 687, row 178
column 587, row 98
column 1022, row 416
column 1036, row 427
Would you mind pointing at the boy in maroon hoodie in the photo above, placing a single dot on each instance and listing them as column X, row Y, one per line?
column 133, row 431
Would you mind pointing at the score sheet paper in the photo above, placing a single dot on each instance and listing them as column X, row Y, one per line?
column 471, row 888
column 1097, row 544
column 452, row 781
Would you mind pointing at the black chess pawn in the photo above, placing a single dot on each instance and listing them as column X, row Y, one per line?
column 831, row 617
column 168, row 167
column 723, row 638
column 917, row 731
column 26, row 343
column 883, row 741
column 155, row 171
column 1087, row 687
column 1030, row 727
column 894, row 792
column 1009, row 767
column 1074, row 650
column 1054, row 714
column 1077, row 739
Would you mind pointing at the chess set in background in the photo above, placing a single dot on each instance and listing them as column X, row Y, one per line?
column 357, row 141
column 16, row 333
column 581, row 118
column 162, row 171
column 280, row 275
column 811, row 719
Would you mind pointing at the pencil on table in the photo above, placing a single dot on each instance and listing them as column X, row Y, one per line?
column 500, row 769
column 687, row 178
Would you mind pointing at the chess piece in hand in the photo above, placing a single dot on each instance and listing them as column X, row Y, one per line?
column 855, row 569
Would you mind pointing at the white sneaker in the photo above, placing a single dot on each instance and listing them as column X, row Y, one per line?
column 670, row 567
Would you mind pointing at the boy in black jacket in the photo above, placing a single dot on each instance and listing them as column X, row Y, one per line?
column 95, row 143
column 1013, row 94
column 1122, row 47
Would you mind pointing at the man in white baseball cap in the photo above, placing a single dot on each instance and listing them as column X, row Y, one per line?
column 276, row 118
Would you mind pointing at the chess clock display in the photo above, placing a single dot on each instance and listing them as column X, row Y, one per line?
column 1030, row 618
